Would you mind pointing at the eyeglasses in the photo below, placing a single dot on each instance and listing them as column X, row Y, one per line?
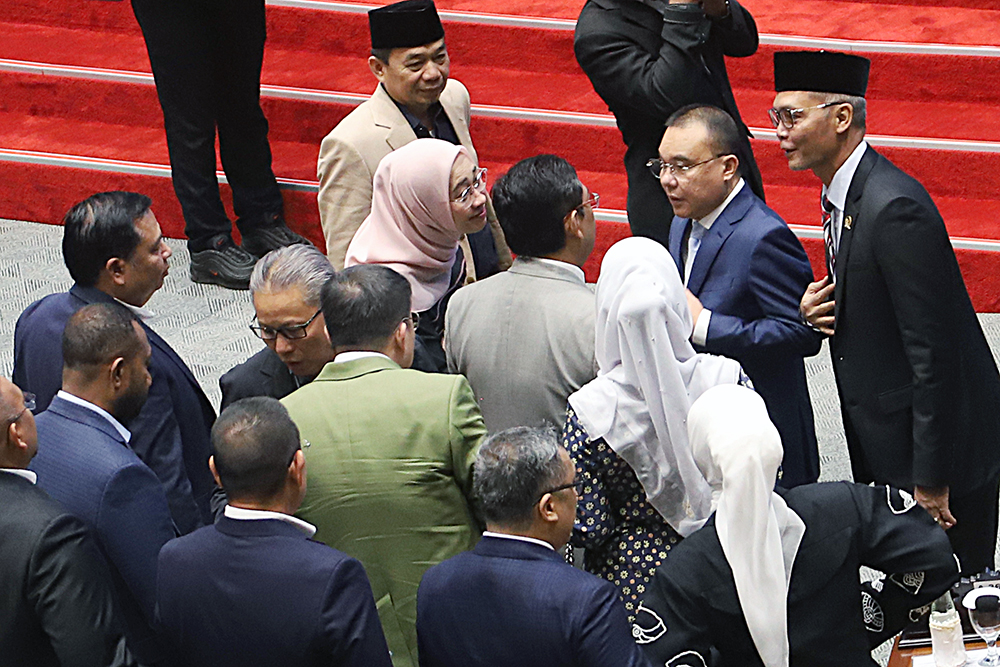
column 413, row 319
column 29, row 404
column 593, row 202
column 576, row 485
column 478, row 185
column 788, row 117
column 679, row 171
column 291, row 332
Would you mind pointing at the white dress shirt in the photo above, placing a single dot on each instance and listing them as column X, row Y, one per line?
column 21, row 472
column 344, row 357
column 522, row 538
column 125, row 433
column 244, row 514
column 836, row 194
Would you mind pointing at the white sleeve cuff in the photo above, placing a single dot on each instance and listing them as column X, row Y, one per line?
column 700, row 334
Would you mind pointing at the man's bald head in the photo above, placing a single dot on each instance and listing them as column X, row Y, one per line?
column 20, row 440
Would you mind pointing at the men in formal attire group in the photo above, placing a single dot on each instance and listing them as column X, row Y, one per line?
column 647, row 59
column 414, row 99
column 744, row 271
column 919, row 389
column 525, row 337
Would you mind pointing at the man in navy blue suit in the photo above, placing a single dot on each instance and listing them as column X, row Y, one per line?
column 513, row 600
column 745, row 272
column 255, row 589
column 85, row 462
column 114, row 250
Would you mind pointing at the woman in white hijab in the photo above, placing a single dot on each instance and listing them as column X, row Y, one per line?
column 755, row 587
column 627, row 429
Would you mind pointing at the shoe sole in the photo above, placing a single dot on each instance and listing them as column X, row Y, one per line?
column 207, row 277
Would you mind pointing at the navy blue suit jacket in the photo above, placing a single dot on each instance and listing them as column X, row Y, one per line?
column 85, row 464
column 171, row 434
column 259, row 592
column 751, row 272
column 509, row 602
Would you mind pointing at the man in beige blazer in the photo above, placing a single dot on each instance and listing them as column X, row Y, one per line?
column 414, row 99
column 389, row 449
column 525, row 338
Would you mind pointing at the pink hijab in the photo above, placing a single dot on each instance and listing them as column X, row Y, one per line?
column 410, row 228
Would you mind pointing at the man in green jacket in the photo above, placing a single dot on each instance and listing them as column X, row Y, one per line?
column 389, row 449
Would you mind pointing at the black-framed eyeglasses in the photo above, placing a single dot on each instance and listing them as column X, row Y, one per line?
column 291, row 332
column 576, row 485
column 658, row 166
column 29, row 405
column 413, row 319
column 478, row 185
column 788, row 117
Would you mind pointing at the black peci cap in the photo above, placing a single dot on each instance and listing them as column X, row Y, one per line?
column 821, row 72
column 405, row 24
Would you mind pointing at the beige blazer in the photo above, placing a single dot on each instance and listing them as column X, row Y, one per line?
column 351, row 152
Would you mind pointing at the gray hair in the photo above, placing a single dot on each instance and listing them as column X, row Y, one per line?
column 512, row 470
column 299, row 265
column 859, row 104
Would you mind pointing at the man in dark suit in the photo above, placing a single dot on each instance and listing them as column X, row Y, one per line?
column 84, row 460
column 114, row 251
column 646, row 59
column 285, row 287
column 56, row 605
column 919, row 390
column 254, row 589
column 745, row 272
column 513, row 600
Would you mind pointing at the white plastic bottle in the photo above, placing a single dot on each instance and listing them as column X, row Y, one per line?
column 946, row 633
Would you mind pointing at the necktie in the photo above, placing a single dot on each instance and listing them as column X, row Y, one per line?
column 694, row 242
column 828, row 241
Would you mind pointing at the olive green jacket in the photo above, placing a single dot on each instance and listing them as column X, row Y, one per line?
column 389, row 455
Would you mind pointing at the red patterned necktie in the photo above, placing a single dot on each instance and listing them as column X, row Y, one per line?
column 831, row 250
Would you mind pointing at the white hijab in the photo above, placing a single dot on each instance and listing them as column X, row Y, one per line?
column 649, row 376
column 738, row 450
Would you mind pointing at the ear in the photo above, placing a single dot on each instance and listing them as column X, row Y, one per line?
column 297, row 469
column 215, row 473
column 844, row 117
column 573, row 224
column 729, row 166
column 117, row 370
column 117, row 268
column 547, row 509
column 377, row 67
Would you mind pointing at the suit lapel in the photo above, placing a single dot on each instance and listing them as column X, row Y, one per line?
column 387, row 116
column 851, row 209
column 677, row 232
column 714, row 239
column 458, row 122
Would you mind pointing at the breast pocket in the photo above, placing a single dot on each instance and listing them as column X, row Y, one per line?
column 896, row 399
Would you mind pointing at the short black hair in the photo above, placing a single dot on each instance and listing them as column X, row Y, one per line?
column 382, row 54
column 100, row 227
column 512, row 470
column 363, row 305
column 531, row 201
column 722, row 129
column 97, row 334
column 255, row 441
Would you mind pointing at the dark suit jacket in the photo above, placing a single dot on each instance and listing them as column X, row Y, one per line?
column 171, row 434
column 918, row 386
column 645, row 66
column 85, row 464
column 692, row 609
column 751, row 271
column 55, row 595
column 263, row 374
column 510, row 602
column 258, row 592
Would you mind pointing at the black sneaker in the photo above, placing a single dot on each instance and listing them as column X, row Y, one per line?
column 225, row 264
column 262, row 240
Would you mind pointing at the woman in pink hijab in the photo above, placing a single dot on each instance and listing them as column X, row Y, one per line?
column 426, row 196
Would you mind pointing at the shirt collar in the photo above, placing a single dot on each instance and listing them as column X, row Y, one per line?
column 707, row 221
column 243, row 514
column 572, row 269
column 522, row 538
column 125, row 433
column 21, row 472
column 344, row 357
column 140, row 312
column 841, row 183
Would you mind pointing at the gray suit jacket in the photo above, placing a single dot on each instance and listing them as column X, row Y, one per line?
column 525, row 340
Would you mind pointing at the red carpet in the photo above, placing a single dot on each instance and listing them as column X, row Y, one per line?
column 317, row 53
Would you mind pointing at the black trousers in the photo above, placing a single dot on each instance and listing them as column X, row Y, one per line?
column 974, row 536
column 206, row 57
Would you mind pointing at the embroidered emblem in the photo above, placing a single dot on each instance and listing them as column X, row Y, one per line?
column 909, row 581
column 848, row 221
column 872, row 613
column 649, row 627
column 918, row 613
column 878, row 581
column 904, row 503
column 686, row 658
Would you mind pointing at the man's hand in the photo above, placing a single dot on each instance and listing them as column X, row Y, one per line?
column 816, row 306
column 694, row 305
column 934, row 499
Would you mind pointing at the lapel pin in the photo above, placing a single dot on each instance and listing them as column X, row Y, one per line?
column 848, row 221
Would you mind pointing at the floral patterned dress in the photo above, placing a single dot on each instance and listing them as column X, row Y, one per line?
column 625, row 538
